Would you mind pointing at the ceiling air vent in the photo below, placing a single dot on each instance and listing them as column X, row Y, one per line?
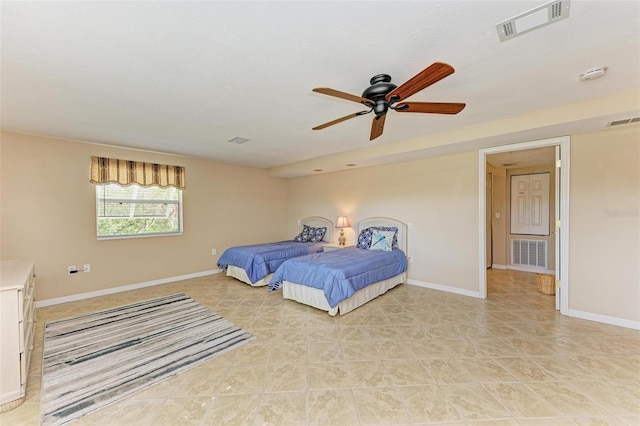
column 540, row 16
column 625, row 121
column 238, row 140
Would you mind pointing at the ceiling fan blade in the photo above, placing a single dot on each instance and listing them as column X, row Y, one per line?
column 343, row 95
column 340, row 120
column 432, row 74
column 431, row 107
column 377, row 126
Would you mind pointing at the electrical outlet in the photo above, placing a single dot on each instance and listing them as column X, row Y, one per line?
column 72, row 269
column 86, row 267
column 299, row 222
column 410, row 226
column 214, row 252
column 410, row 259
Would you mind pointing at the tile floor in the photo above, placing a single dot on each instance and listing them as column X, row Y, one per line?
column 412, row 356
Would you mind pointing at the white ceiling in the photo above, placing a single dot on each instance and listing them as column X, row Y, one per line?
column 185, row 77
column 523, row 158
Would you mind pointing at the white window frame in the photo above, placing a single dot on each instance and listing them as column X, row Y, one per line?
column 145, row 201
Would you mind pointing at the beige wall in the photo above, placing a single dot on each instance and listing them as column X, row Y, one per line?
column 48, row 213
column 438, row 195
column 605, row 223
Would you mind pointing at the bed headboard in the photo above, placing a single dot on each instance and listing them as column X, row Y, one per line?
column 387, row 221
column 319, row 222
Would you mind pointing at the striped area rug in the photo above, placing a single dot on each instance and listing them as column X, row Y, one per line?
column 95, row 359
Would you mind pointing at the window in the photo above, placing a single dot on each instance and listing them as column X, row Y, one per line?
column 134, row 210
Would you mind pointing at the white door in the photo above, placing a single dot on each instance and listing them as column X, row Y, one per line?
column 530, row 204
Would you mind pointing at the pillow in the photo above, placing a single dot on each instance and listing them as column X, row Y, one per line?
column 364, row 239
column 381, row 240
column 317, row 234
column 304, row 236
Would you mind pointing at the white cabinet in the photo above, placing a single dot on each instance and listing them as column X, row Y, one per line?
column 17, row 326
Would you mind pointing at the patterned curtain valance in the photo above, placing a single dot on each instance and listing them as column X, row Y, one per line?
column 110, row 170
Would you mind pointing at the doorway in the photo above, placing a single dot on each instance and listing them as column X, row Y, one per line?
column 560, row 225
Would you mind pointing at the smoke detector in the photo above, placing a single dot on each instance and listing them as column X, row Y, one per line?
column 593, row 73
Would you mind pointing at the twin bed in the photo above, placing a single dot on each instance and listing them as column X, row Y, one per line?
column 339, row 281
column 255, row 264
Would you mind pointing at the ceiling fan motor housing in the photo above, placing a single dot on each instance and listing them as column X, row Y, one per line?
column 380, row 86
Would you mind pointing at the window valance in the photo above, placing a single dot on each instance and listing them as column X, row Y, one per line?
column 124, row 172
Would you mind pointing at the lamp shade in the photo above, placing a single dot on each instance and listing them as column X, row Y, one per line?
column 342, row 222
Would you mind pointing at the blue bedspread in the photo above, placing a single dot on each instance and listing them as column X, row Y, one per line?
column 340, row 273
column 260, row 260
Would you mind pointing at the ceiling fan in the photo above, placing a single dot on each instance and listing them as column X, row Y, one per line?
column 383, row 95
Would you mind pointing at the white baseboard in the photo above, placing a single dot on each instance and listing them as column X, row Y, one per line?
column 98, row 293
column 605, row 319
column 446, row 288
column 531, row 269
column 497, row 266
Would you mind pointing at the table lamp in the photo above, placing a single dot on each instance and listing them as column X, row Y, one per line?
column 342, row 222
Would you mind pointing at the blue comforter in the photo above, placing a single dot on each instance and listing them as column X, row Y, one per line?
column 260, row 260
column 340, row 273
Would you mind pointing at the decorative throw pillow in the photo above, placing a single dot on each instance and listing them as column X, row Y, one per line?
column 364, row 239
column 318, row 234
column 304, row 236
column 381, row 240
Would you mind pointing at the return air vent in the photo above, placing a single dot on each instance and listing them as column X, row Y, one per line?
column 625, row 121
column 529, row 253
column 540, row 16
column 238, row 140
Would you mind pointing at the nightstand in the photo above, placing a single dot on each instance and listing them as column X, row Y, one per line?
column 333, row 246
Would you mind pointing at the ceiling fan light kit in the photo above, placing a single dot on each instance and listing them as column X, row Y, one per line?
column 382, row 95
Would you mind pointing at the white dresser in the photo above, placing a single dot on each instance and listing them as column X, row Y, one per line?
column 17, row 321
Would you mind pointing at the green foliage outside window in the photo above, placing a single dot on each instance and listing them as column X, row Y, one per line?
column 134, row 210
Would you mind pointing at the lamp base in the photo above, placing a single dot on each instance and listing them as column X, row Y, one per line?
column 341, row 239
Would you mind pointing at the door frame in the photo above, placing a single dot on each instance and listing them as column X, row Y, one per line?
column 489, row 221
column 562, row 233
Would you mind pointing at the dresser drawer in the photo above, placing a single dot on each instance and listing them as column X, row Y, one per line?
column 17, row 329
column 25, row 293
column 27, row 327
column 28, row 304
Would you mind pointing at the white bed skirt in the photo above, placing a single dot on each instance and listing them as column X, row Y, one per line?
column 240, row 274
column 315, row 297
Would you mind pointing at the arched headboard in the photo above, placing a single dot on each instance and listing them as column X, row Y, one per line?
column 319, row 222
column 387, row 221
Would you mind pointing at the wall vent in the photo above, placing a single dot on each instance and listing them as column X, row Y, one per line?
column 529, row 253
column 624, row 121
column 535, row 18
